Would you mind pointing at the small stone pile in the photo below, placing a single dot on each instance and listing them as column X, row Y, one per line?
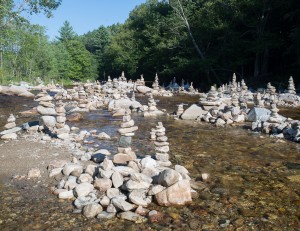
column 161, row 146
column 62, row 130
column 258, row 102
column 274, row 117
column 11, row 130
column 152, row 109
column 46, row 110
column 180, row 110
column 125, row 153
column 212, row 100
column 233, row 85
column 191, row 88
column 291, row 87
column 270, row 89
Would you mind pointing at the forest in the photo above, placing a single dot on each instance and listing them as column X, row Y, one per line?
column 200, row 41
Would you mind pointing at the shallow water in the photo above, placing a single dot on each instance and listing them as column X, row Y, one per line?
column 254, row 182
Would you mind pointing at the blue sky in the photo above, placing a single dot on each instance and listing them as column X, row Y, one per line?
column 86, row 15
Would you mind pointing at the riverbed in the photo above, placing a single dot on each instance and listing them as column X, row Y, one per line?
column 254, row 179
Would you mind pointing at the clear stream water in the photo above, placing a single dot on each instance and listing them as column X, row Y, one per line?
column 254, row 183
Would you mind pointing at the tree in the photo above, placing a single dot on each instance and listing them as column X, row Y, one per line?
column 66, row 32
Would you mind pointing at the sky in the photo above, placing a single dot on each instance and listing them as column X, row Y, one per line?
column 85, row 15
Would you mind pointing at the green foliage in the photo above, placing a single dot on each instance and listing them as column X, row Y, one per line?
column 66, row 32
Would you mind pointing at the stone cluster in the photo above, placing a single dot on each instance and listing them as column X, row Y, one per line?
column 155, row 84
column 11, row 129
column 161, row 146
column 125, row 153
column 152, row 109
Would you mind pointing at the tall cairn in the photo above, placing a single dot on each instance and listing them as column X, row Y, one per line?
column 61, row 114
column 46, row 110
column 125, row 152
column 155, row 84
column 291, row 87
column 162, row 146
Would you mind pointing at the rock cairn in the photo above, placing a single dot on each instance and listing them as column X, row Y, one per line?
column 152, row 109
column 155, row 84
column 291, row 87
column 125, row 153
column 82, row 101
column 180, row 110
column 212, row 100
column 11, row 122
column 258, row 100
column 161, row 146
column 11, row 130
column 46, row 110
column 274, row 117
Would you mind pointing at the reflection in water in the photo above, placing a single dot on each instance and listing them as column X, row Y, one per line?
column 249, row 184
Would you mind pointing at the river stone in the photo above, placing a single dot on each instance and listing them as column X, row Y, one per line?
column 168, row 177
column 103, row 184
column 10, row 125
column 98, row 157
column 107, row 164
column 125, row 141
column 220, row 122
column 135, row 185
column 55, row 172
column 74, row 117
column 48, row 121
column 177, row 194
column 10, row 136
column 117, row 179
column 105, row 201
column 121, row 158
column 13, row 130
column 61, row 119
column 106, row 215
column 85, row 177
column 66, row 194
column 193, row 112
column 151, row 171
column 112, row 192
column 131, row 216
column 46, row 111
column 91, row 169
column 140, row 177
column 46, row 104
column 124, row 170
column 122, row 204
column 63, row 136
column 83, row 189
column 71, row 167
column 128, row 124
column 137, row 197
column 92, row 210
column 127, row 130
column 111, row 208
column 103, row 136
column 148, row 162
column 154, row 189
column 45, row 98
column 105, row 173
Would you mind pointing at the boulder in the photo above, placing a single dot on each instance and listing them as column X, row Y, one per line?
column 16, row 90
column 193, row 112
column 71, row 168
column 48, row 121
column 45, row 110
column 117, row 179
column 177, row 194
column 143, row 89
column 258, row 114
